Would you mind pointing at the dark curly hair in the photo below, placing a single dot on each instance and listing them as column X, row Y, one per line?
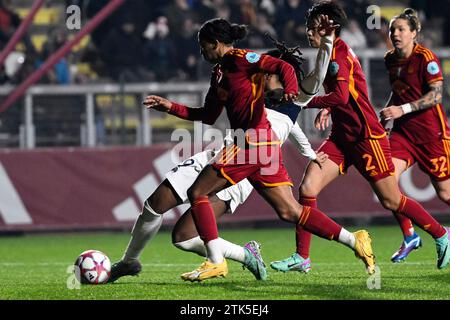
column 293, row 56
column 332, row 10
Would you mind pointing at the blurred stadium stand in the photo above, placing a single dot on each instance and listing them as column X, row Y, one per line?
column 156, row 52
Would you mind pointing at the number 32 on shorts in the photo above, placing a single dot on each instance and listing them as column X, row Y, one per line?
column 439, row 164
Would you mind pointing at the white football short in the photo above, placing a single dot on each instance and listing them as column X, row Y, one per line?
column 184, row 174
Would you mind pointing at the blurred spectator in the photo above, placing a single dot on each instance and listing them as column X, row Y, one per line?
column 188, row 54
column 268, row 7
column 257, row 37
column 290, row 22
column 9, row 22
column 122, row 52
column 244, row 12
column 223, row 10
column 60, row 73
column 353, row 35
column 159, row 50
column 177, row 13
column 379, row 38
column 205, row 9
column 357, row 10
column 93, row 7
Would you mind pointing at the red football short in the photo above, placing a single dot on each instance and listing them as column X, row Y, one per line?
column 262, row 165
column 433, row 158
column 371, row 157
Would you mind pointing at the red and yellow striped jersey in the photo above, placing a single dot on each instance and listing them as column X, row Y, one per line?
column 353, row 115
column 237, row 83
column 410, row 79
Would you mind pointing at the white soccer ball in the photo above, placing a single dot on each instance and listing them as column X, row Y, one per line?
column 92, row 267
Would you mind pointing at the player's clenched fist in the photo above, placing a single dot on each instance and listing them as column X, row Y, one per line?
column 157, row 103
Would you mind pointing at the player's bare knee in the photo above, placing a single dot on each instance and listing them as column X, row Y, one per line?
column 390, row 203
column 193, row 194
column 177, row 236
column 444, row 195
column 307, row 189
column 288, row 214
column 154, row 203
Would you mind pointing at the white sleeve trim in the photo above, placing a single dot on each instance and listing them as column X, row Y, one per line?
column 311, row 84
column 299, row 139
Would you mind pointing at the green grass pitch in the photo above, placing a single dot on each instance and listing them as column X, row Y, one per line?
column 35, row 267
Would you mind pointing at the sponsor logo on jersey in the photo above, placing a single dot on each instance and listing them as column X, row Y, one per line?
column 433, row 68
column 252, row 57
column 334, row 68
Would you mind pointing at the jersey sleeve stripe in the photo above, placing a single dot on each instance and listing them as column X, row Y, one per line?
column 435, row 80
column 442, row 121
column 354, row 94
column 257, row 81
column 426, row 53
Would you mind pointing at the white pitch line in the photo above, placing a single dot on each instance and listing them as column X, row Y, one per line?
column 45, row 264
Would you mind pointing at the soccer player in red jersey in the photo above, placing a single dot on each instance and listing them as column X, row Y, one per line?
column 237, row 85
column 357, row 138
column 420, row 131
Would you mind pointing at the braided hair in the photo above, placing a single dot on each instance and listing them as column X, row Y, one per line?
column 293, row 56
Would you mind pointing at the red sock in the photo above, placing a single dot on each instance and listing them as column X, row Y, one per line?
column 405, row 224
column 318, row 223
column 420, row 217
column 204, row 219
column 303, row 237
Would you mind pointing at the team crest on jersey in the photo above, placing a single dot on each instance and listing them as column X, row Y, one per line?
column 252, row 57
column 334, row 68
column 433, row 68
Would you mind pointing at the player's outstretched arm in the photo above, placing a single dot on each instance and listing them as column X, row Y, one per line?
column 207, row 114
column 157, row 103
column 311, row 84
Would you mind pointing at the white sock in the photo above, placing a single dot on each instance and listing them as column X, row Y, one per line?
column 214, row 251
column 232, row 251
column 228, row 249
column 145, row 227
column 195, row 245
column 347, row 238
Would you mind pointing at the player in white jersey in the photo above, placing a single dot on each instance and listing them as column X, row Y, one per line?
column 172, row 191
